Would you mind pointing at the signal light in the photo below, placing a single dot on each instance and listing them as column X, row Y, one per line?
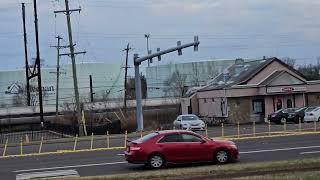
column 159, row 57
column 196, row 46
column 179, row 50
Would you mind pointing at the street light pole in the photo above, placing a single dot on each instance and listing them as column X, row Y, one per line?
column 137, row 61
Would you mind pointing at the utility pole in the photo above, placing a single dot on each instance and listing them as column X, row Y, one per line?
column 58, row 73
column 73, row 60
column 126, row 78
column 137, row 62
column 26, row 53
column 38, row 63
column 147, row 36
column 91, row 89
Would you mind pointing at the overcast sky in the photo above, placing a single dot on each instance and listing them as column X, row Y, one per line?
column 227, row 29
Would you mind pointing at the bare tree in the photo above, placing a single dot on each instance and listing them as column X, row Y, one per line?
column 289, row 61
column 176, row 84
column 195, row 75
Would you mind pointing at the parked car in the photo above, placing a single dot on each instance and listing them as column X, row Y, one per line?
column 179, row 146
column 297, row 115
column 190, row 122
column 281, row 115
column 312, row 114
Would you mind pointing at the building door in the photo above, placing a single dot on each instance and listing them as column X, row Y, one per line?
column 279, row 104
column 289, row 103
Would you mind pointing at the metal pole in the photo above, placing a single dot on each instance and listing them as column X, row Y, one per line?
column 5, row 148
column 91, row 144
column 299, row 124
column 238, row 125
column 40, row 147
column 75, row 143
column 91, row 89
column 222, row 130
column 125, row 79
column 269, row 127
column 147, row 36
column 254, row 128
column 38, row 62
column 125, row 138
column 58, row 74
column 108, row 140
column 26, row 53
column 74, row 69
column 138, row 96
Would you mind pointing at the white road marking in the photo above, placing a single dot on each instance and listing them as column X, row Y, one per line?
column 74, row 166
column 120, row 154
column 311, row 152
column 48, row 174
column 283, row 149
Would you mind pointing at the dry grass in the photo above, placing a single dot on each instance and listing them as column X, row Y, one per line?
column 242, row 171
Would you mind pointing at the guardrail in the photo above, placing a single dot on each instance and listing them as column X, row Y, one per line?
column 119, row 141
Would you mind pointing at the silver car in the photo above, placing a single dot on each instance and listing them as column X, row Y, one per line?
column 189, row 122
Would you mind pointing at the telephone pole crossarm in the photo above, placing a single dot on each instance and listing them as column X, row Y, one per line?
column 76, row 53
column 138, row 60
column 67, row 11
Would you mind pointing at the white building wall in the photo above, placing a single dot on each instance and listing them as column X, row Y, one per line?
column 196, row 73
column 106, row 78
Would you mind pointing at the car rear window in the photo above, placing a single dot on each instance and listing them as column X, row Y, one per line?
column 148, row 137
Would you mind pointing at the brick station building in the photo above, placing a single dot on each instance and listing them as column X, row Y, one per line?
column 249, row 90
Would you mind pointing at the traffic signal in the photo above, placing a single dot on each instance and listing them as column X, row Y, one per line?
column 179, row 50
column 196, row 40
column 159, row 57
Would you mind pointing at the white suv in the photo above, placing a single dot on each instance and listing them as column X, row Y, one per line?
column 189, row 122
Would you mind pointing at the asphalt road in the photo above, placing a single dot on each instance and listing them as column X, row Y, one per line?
column 112, row 161
column 118, row 140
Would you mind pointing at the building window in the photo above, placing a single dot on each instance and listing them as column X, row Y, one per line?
column 257, row 106
column 205, row 100
column 212, row 99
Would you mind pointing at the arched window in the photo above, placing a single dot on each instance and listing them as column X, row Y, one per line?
column 289, row 103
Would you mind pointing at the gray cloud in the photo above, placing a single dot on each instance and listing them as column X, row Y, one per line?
column 227, row 28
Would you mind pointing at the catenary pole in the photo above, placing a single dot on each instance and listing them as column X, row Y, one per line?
column 38, row 63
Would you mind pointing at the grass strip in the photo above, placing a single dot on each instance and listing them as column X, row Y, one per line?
column 229, row 171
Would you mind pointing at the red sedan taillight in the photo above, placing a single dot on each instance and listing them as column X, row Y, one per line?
column 132, row 148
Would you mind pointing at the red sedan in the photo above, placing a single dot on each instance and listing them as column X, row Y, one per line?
column 179, row 146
